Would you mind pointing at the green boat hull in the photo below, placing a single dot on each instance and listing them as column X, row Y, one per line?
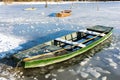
column 65, row 57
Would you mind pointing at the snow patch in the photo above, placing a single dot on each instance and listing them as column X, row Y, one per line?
column 60, row 70
column 84, row 75
column 54, row 79
column 112, row 63
column 117, row 56
column 89, row 79
column 93, row 72
column 2, row 78
column 72, row 71
column 77, row 79
column 55, row 75
column 5, row 72
column 9, row 45
column 47, row 76
column 104, row 78
column 111, row 48
column 85, row 61
column 97, row 58
column 101, row 70
column 42, row 13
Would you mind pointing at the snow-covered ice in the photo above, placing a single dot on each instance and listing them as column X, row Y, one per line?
column 47, row 75
column 99, row 69
column 104, row 78
column 9, row 45
column 93, row 72
column 2, row 78
column 60, row 70
column 84, row 75
column 85, row 61
column 21, row 29
column 112, row 63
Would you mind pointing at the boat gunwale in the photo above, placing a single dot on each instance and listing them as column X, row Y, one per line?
column 49, row 61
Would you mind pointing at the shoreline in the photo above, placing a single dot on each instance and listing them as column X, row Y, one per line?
column 60, row 2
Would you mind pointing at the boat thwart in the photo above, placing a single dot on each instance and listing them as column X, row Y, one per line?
column 64, row 48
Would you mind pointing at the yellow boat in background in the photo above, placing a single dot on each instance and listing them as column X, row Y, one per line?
column 64, row 13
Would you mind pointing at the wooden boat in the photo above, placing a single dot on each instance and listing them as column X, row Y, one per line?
column 30, row 9
column 64, row 13
column 64, row 48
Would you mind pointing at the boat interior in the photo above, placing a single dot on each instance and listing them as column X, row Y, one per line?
column 63, row 45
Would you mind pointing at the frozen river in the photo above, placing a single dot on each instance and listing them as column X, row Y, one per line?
column 20, row 29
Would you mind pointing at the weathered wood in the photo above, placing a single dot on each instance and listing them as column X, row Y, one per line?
column 93, row 37
column 46, row 54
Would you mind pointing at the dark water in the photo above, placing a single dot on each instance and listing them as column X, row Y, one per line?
column 35, row 29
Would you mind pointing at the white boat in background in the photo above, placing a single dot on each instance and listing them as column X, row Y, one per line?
column 30, row 9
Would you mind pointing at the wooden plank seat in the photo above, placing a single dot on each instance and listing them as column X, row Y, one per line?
column 70, row 42
column 92, row 32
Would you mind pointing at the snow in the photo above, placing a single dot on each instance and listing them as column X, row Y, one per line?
column 93, row 72
column 77, row 79
column 2, row 78
column 117, row 56
column 84, row 75
column 47, row 75
column 60, row 70
column 9, row 44
column 54, row 79
column 5, row 73
column 55, row 75
column 21, row 29
column 6, row 44
column 72, row 71
column 86, row 60
column 99, row 69
column 89, row 79
column 112, row 63
column 88, row 71
column 104, row 78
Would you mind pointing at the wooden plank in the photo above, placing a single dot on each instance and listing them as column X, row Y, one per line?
column 46, row 54
column 92, row 32
column 70, row 42
column 93, row 37
column 89, row 39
